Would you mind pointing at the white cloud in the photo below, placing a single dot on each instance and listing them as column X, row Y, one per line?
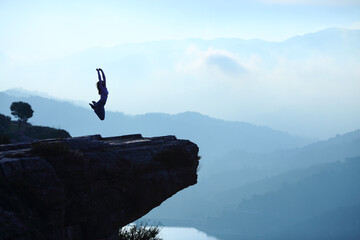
column 214, row 60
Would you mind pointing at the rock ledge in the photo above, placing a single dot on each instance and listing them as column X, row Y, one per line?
column 88, row 187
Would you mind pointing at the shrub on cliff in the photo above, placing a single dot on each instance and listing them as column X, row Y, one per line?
column 11, row 132
column 139, row 232
column 21, row 110
column 39, row 132
column 5, row 121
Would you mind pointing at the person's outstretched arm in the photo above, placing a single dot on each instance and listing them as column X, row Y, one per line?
column 103, row 76
column 98, row 74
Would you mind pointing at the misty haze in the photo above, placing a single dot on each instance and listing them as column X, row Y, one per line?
column 267, row 90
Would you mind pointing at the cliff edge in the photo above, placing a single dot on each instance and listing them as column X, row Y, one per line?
column 88, row 187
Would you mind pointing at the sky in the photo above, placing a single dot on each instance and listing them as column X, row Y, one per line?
column 314, row 97
column 40, row 29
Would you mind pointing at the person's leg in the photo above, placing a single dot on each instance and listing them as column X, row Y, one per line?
column 92, row 106
column 100, row 110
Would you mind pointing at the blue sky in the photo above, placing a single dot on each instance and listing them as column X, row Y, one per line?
column 44, row 29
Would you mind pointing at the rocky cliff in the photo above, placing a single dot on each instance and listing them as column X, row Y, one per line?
column 88, row 187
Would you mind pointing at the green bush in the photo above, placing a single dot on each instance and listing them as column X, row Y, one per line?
column 21, row 110
column 139, row 232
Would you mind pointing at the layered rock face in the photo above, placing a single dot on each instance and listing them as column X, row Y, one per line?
column 88, row 187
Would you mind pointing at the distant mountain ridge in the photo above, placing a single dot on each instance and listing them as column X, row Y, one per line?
column 194, row 126
column 336, row 34
column 295, row 165
column 296, row 208
column 23, row 93
column 328, row 37
column 237, row 176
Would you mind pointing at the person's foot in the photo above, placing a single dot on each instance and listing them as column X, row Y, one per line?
column 92, row 106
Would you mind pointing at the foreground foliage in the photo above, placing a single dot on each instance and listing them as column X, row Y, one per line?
column 139, row 232
column 11, row 132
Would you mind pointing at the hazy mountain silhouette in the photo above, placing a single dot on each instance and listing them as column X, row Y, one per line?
column 235, row 195
column 334, row 149
column 346, row 41
column 341, row 223
column 291, row 166
column 203, row 130
column 227, row 180
column 297, row 209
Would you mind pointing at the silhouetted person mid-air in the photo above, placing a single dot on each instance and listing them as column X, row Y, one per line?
column 103, row 92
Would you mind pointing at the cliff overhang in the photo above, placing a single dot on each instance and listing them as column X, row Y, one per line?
column 88, row 187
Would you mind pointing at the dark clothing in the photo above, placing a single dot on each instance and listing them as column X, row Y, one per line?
column 100, row 110
column 99, row 106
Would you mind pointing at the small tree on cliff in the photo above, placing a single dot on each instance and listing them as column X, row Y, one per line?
column 21, row 110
